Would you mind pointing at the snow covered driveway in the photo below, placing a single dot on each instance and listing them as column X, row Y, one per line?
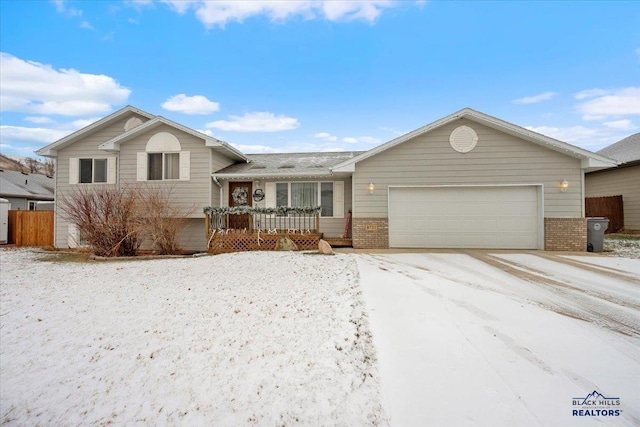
column 265, row 338
column 504, row 339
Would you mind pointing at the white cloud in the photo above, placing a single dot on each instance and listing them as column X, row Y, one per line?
column 624, row 124
column 61, row 7
column 32, row 87
column 79, row 124
column 196, row 104
column 544, row 96
column 617, row 102
column 365, row 139
column 566, row 134
column 86, row 26
column 256, row 122
column 221, row 12
column 255, row 149
column 326, row 136
column 18, row 133
column 206, row 132
column 38, row 119
column 589, row 93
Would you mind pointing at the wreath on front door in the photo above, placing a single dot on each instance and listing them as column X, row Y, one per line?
column 240, row 195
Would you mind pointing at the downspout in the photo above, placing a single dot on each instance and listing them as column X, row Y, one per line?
column 582, row 192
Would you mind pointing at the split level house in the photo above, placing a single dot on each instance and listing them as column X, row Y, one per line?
column 468, row 180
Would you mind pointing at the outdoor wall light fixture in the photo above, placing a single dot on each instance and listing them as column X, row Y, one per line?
column 371, row 188
column 564, row 185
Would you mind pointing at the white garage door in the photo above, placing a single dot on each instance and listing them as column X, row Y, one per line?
column 464, row 217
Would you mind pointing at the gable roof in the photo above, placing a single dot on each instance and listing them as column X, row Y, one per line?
column 286, row 165
column 28, row 185
column 626, row 150
column 590, row 161
column 114, row 143
column 50, row 150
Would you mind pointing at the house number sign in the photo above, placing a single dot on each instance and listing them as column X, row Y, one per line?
column 371, row 227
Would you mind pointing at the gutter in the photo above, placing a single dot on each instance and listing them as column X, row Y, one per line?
column 215, row 179
column 272, row 175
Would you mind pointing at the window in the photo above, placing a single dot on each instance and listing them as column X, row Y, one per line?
column 306, row 194
column 163, row 159
column 282, row 194
column 32, row 205
column 163, row 166
column 93, row 171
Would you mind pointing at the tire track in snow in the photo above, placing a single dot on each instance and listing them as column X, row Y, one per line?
column 573, row 302
column 599, row 269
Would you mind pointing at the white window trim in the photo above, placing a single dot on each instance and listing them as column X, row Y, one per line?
column 163, row 143
column 74, row 170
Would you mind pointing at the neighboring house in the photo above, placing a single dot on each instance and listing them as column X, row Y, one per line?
column 622, row 180
column 24, row 190
column 468, row 180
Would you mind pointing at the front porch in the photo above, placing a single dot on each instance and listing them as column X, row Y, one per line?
column 245, row 228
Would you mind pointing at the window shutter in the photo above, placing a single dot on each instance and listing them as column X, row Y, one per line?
column 73, row 238
column 73, row 170
column 185, row 165
column 111, row 170
column 338, row 199
column 270, row 195
column 142, row 167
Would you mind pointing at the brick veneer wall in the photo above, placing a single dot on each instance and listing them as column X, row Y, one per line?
column 370, row 239
column 565, row 234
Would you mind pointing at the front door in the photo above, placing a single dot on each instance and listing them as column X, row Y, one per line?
column 239, row 195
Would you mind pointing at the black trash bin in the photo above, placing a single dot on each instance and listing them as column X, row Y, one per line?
column 596, row 227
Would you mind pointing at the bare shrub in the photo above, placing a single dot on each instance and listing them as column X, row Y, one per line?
column 161, row 219
column 106, row 217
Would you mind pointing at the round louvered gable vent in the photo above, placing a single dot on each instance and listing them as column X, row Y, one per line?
column 463, row 139
column 132, row 123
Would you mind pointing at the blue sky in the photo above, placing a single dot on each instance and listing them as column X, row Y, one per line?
column 319, row 75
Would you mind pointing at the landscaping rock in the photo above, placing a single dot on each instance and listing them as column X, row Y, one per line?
column 325, row 248
column 286, row 244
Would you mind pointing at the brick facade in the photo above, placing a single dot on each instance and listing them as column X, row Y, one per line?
column 565, row 234
column 370, row 233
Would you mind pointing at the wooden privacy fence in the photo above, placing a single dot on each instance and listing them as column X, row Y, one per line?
column 31, row 228
column 610, row 207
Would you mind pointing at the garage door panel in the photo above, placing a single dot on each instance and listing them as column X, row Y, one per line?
column 464, row 217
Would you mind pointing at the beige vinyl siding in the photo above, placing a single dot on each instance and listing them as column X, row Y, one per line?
column 189, row 196
column 330, row 227
column 17, row 203
column 217, row 162
column 84, row 148
column 614, row 182
column 498, row 158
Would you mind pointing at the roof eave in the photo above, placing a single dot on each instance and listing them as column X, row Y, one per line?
column 489, row 121
column 323, row 174
column 113, row 144
column 51, row 149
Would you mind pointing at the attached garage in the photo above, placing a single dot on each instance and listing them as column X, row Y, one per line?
column 491, row 217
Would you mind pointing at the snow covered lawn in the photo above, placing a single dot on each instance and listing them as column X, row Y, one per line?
column 508, row 339
column 238, row 339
